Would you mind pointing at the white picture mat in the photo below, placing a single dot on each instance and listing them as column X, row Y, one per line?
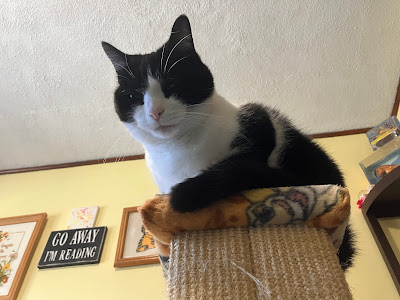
column 133, row 236
column 20, row 234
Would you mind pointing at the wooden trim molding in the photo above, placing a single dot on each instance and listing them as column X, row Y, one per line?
column 135, row 157
column 69, row 165
column 394, row 112
column 339, row 133
column 396, row 103
column 141, row 156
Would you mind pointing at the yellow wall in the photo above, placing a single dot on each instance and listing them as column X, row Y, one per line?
column 369, row 278
column 56, row 192
column 117, row 185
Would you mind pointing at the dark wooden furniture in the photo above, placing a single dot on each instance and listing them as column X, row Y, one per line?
column 384, row 202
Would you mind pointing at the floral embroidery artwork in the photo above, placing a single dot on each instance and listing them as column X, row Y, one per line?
column 9, row 247
column 13, row 242
column 4, row 264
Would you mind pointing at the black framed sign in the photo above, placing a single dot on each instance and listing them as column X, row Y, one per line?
column 73, row 247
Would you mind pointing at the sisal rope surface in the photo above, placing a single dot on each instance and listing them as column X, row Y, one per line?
column 200, row 266
column 276, row 262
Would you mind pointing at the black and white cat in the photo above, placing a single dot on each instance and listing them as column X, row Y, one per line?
column 200, row 147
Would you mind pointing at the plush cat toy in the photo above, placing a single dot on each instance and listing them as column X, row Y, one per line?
column 326, row 206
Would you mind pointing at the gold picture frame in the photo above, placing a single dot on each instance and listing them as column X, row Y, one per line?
column 19, row 237
column 133, row 235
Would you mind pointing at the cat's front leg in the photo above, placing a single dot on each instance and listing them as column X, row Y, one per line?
column 226, row 178
column 192, row 194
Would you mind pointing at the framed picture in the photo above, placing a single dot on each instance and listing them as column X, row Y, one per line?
column 135, row 245
column 19, row 237
column 382, row 161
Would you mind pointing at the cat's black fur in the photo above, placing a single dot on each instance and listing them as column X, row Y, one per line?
column 301, row 161
column 190, row 80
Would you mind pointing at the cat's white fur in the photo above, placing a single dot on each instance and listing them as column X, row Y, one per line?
column 281, row 140
column 186, row 139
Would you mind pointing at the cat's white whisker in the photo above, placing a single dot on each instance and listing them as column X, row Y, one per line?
column 129, row 79
column 139, row 90
column 118, row 159
column 127, row 64
column 166, row 63
column 162, row 56
column 194, row 113
column 123, row 157
column 123, row 68
column 198, row 104
column 177, row 62
column 109, row 150
column 128, row 71
column 113, row 76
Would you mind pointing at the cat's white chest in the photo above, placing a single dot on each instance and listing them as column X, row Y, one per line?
column 171, row 165
column 172, row 161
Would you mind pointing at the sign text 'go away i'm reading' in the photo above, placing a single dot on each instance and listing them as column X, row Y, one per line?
column 73, row 247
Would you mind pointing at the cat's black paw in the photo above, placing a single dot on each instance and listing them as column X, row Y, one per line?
column 189, row 196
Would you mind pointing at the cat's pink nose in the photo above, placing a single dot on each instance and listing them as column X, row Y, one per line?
column 156, row 113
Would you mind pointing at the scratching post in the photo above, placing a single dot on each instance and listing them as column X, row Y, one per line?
column 278, row 243
column 275, row 262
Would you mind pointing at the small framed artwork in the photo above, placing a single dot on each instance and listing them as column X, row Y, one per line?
column 19, row 237
column 83, row 217
column 135, row 245
column 382, row 161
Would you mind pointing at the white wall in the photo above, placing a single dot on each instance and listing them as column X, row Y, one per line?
column 330, row 65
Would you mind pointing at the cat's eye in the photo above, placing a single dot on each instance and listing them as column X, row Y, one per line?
column 131, row 96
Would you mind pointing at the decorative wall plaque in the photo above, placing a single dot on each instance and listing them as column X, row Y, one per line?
column 73, row 247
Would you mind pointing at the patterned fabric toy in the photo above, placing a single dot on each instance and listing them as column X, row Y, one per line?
column 322, row 206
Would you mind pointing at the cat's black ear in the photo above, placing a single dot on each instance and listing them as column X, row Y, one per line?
column 181, row 32
column 117, row 57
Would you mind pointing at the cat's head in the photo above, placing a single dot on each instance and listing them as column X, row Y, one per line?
column 162, row 94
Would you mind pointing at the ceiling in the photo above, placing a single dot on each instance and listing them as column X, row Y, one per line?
column 329, row 65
